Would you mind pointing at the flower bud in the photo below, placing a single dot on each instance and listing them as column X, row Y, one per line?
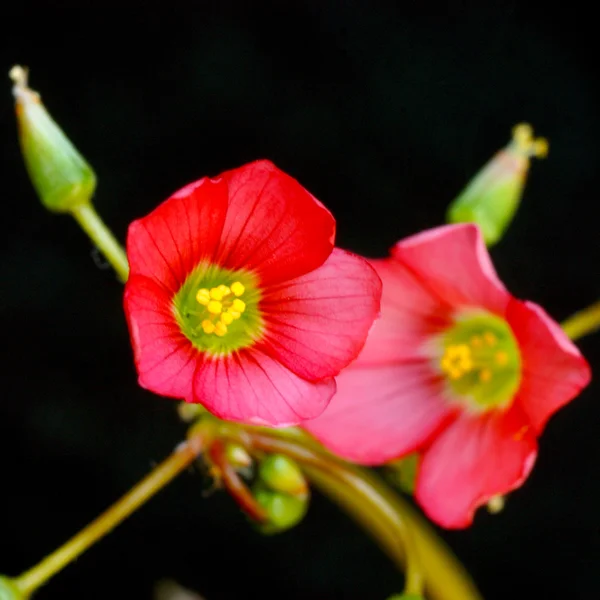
column 9, row 591
column 284, row 511
column 60, row 175
column 492, row 197
column 282, row 474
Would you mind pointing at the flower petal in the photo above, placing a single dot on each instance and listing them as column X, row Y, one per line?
column 453, row 263
column 410, row 315
column 554, row 371
column 475, row 458
column 168, row 243
column 251, row 387
column 382, row 413
column 317, row 323
column 274, row 226
column 164, row 357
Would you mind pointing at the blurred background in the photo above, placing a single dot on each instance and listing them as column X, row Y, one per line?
column 383, row 110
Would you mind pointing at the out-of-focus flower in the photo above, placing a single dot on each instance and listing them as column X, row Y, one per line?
column 238, row 300
column 492, row 197
column 455, row 368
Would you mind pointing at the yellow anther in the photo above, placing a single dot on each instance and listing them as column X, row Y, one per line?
column 490, row 338
column 525, row 142
column 224, row 290
column 208, row 326
column 501, row 358
column 203, row 296
column 227, row 318
column 476, row 341
column 216, row 293
column 495, row 504
column 220, row 328
column 485, row 375
column 214, row 307
column 457, row 361
column 237, row 288
column 234, row 313
column 238, row 305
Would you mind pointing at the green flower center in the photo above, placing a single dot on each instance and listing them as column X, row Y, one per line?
column 481, row 360
column 218, row 309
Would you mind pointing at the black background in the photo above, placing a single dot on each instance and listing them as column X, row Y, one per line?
column 383, row 113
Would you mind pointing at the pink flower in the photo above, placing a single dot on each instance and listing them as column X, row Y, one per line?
column 238, row 300
column 456, row 369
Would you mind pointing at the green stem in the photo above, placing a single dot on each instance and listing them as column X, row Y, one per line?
column 163, row 474
column 583, row 322
column 406, row 537
column 92, row 224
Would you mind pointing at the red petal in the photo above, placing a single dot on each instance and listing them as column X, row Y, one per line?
column 251, row 387
column 317, row 323
column 274, row 226
column 452, row 262
column 410, row 315
column 382, row 413
column 554, row 371
column 167, row 244
column 475, row 458
column 164, row 357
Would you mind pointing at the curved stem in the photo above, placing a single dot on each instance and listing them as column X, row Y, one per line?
column 583, row 322
column 38, row 575
column 405, row 536
column 100, row 234
column 234, row 484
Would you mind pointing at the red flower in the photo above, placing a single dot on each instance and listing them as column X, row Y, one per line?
column 238, row 300
column 457, row 369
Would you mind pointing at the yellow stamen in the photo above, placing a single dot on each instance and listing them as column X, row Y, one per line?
column 234, row 313
column 214, row 307
column 227, row 318
column 203, row 296
column 238, row 305
column 237, row 288
column 501, row 358
column 216, row 294
column 208, row 326
column 225, row 290
column 490, row 338
column 495, row 504
column 485, row 375
column 476, row 341
column 525, row 142
column 457, row 361
column 220, row 328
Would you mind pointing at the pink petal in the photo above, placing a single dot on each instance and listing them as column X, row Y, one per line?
column 452, row 262
column 164, row 357
column 475, row 458
column 317, row 323
column 554, row 371
column 410, row 316
column 382, row 413
column 274, row 226
column 251, row 387
column 184, row 230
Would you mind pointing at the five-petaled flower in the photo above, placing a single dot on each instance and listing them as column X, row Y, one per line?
column 457, row 369
column 238, row 300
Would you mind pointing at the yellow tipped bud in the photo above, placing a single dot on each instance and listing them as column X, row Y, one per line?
column 60, row 175
column 492, row 197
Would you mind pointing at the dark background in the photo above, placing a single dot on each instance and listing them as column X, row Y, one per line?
column 383, row 113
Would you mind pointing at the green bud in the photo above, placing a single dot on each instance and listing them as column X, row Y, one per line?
column 282, row 474
column 492, row 197
column 9, row 591
column 403, row 472
column 284, row 511
column 60, row 175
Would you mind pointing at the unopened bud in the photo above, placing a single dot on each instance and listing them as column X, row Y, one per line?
column 492, row 197
column 60, row 175
column 284, row 511
column 282, row 474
